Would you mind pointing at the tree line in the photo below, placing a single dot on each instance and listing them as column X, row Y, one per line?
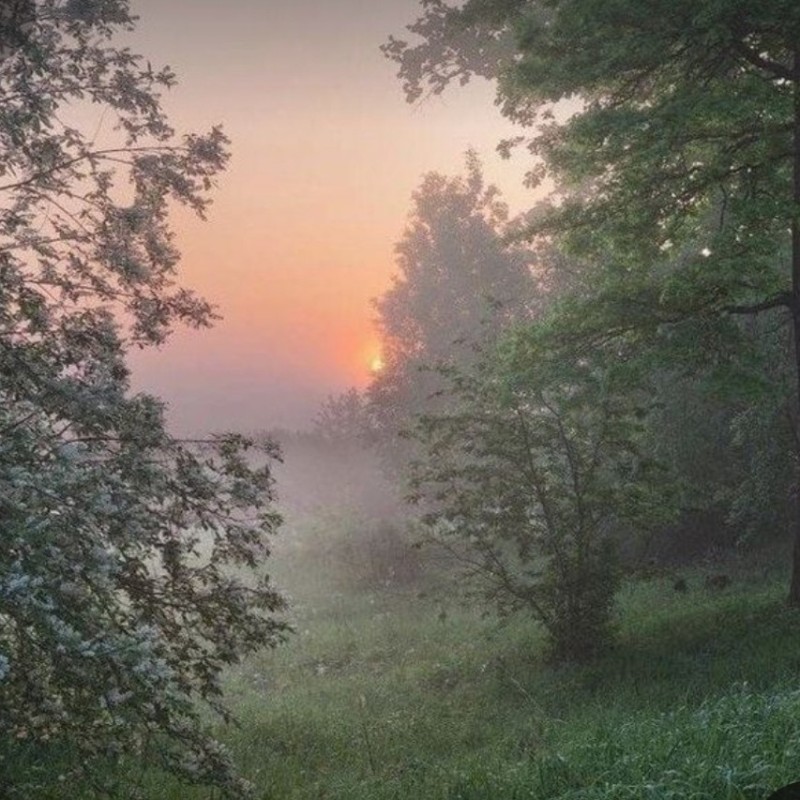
column 620, row 362
column 645, row 378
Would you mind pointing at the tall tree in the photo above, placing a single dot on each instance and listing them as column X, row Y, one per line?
column 679, row 155
column 119, row 605
column 458, row 283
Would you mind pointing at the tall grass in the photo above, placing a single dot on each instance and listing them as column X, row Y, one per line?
column 390, row 694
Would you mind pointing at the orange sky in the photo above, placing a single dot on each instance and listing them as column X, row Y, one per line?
column 326, row 154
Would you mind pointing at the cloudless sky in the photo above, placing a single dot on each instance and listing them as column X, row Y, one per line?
column 326, row 154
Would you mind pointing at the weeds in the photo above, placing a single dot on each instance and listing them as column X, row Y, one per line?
column 377, row 697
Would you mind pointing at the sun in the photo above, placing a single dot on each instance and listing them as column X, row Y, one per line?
column 376, row 364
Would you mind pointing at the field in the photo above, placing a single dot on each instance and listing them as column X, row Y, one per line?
column 396, row 693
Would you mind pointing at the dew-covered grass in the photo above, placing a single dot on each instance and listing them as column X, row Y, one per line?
column 398, row 692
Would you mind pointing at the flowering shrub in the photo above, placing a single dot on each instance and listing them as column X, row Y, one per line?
column 120, row 545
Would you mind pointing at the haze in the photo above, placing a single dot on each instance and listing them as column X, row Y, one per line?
column 326, row 153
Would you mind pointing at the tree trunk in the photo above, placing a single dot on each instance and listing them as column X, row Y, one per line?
column 794, row 589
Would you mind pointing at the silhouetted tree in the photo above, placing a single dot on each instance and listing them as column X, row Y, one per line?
column 344, row 419
column 458, row 284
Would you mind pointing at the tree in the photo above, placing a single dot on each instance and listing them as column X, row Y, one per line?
column 722, row 427
column 679, row 162
column 119, row 598
column 342, row 419
column 531, row 479
column 458, row 285
column 16, row 19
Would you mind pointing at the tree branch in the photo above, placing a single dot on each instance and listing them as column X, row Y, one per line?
column 99, row 155
column 776, row 301
column 775, row 68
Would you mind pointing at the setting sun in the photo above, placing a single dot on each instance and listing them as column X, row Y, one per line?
column 376, row 364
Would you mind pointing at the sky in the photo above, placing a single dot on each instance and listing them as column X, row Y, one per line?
column 326, row 155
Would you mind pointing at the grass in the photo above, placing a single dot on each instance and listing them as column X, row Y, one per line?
column 386, row 695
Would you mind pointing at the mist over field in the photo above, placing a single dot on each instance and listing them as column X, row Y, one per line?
column 399, row 400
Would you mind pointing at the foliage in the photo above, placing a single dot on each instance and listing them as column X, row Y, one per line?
column 459, row 283
column 343, row 419
column 725, row 427
column 344, row 548
column 389, row 694
column 672, row 132
column 533, row 477
column 684, row 109
column 119, row 606
column 674, row 158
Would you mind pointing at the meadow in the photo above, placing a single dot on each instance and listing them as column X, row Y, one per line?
column 391, row 692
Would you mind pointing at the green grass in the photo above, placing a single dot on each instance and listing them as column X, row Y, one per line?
column 388, row 695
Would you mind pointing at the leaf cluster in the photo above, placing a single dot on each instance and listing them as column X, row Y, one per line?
column 125, row 553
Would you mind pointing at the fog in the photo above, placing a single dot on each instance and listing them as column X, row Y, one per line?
column 478, row 477
column 326, row 154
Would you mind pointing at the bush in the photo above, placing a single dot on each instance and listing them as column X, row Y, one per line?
column 528, row 479
column 348, row 549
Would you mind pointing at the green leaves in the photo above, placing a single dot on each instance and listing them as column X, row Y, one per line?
column 674, row 153
column 123, row 551
column 534, row 473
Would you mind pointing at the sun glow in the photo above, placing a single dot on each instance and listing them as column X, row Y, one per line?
column 376, row 364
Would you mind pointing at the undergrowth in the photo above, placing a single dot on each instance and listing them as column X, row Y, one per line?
column 394, row 694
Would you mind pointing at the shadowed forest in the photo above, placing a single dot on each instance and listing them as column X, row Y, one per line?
column 550, row 550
